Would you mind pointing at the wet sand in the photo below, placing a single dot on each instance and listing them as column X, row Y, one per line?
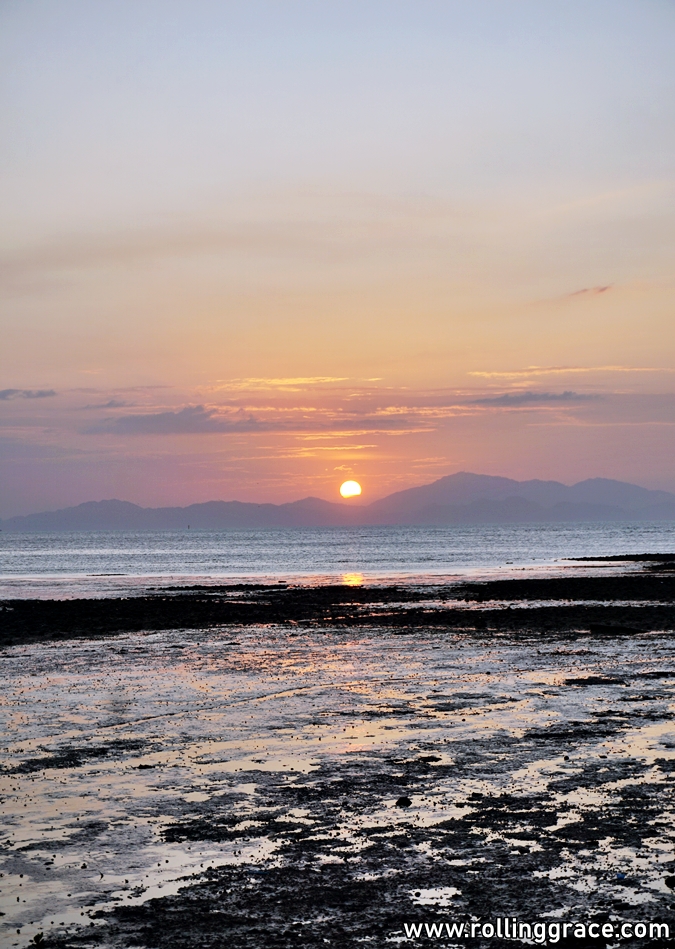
column 281, row 767
column 641, row 600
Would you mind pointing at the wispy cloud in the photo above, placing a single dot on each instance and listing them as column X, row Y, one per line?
column 533, row 398
column 6, row 394
column 590, row 291
column 324, row 415
column 202, row 420
column 347, row 413
column 291, row 383
column 315, row 451
column 562, row 370
column 110, row 404
column 192, row 420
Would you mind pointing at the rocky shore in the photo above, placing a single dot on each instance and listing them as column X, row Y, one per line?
column 614, row 604
column 264, row 766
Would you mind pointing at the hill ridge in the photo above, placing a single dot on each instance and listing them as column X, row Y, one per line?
column 460, row 498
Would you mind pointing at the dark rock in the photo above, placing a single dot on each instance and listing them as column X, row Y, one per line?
column 601, row 629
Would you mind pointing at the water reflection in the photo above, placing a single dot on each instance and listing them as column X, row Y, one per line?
column 112, row 749
column 95, row 563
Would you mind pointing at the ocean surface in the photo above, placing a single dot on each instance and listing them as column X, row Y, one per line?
column 102, row 563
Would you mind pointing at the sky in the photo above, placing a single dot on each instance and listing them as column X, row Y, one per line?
column 249, row 250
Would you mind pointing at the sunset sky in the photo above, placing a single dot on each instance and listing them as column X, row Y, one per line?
column 252, row 249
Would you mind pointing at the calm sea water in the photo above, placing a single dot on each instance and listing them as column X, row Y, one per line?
column 101, row 562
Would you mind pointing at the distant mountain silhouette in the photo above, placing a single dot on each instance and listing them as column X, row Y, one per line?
column 471, row 498
column 461, row 498
column 122, row 515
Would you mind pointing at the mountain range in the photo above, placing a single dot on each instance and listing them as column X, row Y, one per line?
column 462, row 498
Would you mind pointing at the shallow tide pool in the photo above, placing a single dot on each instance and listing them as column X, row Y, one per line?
column 135, row 766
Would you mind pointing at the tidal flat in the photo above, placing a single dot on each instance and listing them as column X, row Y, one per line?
column 254, row 766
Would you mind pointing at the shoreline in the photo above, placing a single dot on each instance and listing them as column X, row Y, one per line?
column 618, row 603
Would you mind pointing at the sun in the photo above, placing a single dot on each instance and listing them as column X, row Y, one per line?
column 350, row 489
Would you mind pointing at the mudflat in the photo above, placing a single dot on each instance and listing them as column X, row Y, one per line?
column 288, row 766
column 637, row 601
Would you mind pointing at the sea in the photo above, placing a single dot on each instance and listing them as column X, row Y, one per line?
column 123, row 563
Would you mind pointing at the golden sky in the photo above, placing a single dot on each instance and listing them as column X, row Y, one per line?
column 249, row 250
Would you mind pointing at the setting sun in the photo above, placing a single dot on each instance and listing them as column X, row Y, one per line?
column 350, row 489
